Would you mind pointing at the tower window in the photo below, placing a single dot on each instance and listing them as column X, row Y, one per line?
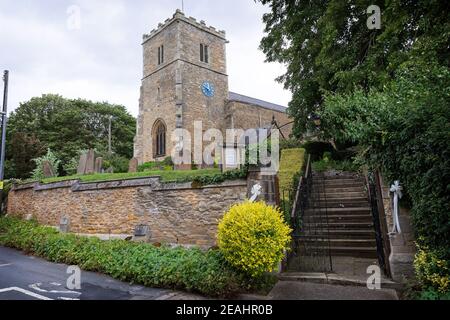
column 159, row 139
column 204, row 53
column 160, row 55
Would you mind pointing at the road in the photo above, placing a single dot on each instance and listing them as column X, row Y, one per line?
column 25, row 277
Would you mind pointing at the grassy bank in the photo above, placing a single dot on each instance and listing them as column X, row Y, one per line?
column 174, row 175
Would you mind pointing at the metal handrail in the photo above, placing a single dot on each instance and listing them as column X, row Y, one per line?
column 297, row 200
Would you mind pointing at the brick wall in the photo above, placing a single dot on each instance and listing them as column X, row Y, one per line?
column 176, row 213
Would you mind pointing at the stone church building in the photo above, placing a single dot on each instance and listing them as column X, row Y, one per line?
column 185, row 80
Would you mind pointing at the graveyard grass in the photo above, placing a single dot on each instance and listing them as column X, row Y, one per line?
column 166, row 176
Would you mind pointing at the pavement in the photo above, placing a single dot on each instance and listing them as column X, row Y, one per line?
column 25, row 277
column 348, row 281
column 298, row 290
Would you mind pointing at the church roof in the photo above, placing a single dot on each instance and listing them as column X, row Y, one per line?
column 260, row 103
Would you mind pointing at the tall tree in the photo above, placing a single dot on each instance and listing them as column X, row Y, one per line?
column 328, row 48
column 66, row 127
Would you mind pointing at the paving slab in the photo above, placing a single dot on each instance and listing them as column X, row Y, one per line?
column 296, row 290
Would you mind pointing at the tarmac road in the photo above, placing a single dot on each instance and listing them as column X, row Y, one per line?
column 25, row 277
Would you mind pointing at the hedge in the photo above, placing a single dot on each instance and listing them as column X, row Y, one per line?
column 194, row 270
column 291, row 163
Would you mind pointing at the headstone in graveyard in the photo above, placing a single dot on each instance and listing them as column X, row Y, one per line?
column 90, row 162
column 109, row 170
column 133, row 165
column 82, row 164
column 47, row 169
column 98, row 165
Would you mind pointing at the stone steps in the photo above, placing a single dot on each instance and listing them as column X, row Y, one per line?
column 339, row 220
column 338, row 203
column 339, row 195
column 343, row 176
column 334, row 218
column 360, row 252
column 339, row 234
column 339, row 225
column 339, row 211
column 338, row 242
column 336, row 189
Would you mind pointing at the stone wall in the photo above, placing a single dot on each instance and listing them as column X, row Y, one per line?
column 403, row 248
column 176, row 213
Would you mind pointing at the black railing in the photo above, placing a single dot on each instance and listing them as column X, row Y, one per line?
column 377, row 210
column 309, row 220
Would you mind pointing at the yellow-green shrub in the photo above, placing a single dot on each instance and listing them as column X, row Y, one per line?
column 291, row 163
column 432, row 271
column 253, row 237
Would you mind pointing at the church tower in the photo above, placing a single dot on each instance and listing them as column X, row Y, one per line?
column 185, row 80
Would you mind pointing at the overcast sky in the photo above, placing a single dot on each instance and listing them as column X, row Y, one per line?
column 46, row 52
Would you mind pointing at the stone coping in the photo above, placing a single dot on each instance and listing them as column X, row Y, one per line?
column 189, row 185
column 153, row 182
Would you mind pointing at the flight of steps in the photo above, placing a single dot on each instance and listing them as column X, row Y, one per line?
column 339, row 216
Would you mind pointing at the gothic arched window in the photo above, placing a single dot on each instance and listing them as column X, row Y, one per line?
column 159, row 139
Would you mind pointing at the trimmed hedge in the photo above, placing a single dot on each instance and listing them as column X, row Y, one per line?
column 291, row 166
column 291, row 163
column 194, row 270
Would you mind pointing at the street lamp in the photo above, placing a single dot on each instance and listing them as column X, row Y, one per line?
column 109, row 135
column 3, row 135
column 316, row 119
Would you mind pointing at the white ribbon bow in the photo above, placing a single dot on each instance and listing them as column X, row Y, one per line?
column 256, row 191
column 397, row 190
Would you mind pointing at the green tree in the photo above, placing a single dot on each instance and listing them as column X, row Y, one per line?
column 21, row 149
column 404, row 130
column 327, row 46
column 66, row 127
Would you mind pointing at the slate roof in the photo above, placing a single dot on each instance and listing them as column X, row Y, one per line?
column 260, row 103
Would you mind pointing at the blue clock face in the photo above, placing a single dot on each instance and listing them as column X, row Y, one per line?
column 208, row 89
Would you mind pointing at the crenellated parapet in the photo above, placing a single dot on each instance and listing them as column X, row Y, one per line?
column 179, row 15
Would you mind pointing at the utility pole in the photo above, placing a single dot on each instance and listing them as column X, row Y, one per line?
column 109, row 136
column 3, row 141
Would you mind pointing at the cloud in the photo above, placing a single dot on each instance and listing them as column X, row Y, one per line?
column 102, row 61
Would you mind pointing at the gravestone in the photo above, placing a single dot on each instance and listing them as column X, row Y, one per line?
column 64, row 225
column 82, row 164
column 133, row 165
column 109, row 170
column 90, row 162
column 47, row 169
column 98, row 165
column 142, row 230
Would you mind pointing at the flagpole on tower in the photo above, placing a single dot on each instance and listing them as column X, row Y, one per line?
column 182, row 5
